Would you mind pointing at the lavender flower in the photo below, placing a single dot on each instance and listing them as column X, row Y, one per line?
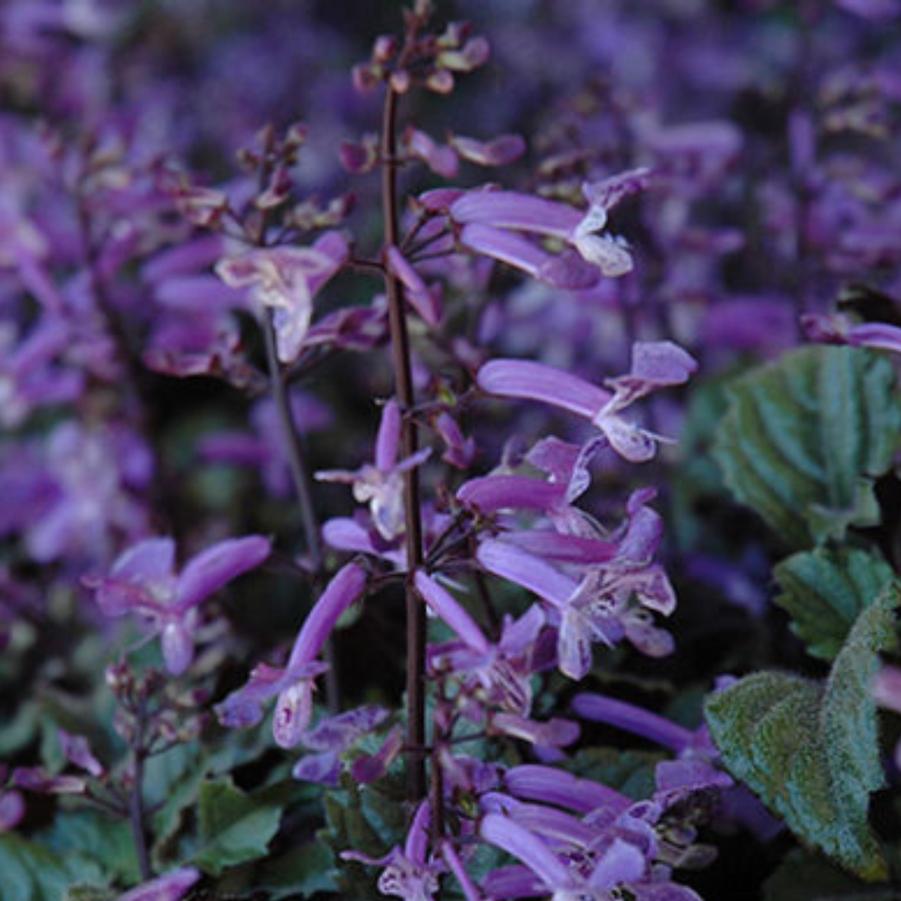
column 620, row 864
column 488, row 216
column 596, row 608
column 380, row 484
column 498, row 674
column 654, row 365
column 285, row 279
column 409, row 873
column 143, row 581
column 294, row 684
column 331, row 738
column 838, row 329
column 171, row 886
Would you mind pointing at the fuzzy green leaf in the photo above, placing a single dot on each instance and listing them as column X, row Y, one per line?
column 804, row 438
column 234, row 827
column 810, row 750
column 824, row 591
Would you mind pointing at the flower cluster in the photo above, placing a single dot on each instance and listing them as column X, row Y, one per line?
column 369, row 480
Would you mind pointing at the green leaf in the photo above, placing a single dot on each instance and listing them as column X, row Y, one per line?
column 824, row 591
column 804, row 438
column 173, row 781
column 303, row 871
column 234, row 827
column 810, row 750
column 94, row 837
column 31, row 872
column 367, row 818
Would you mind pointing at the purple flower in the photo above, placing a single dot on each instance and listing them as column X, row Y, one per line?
column 77, row 751
column 500, row 151
column 408, row 873
column 489, row 217
column 568, row 271
column 536, row 782
column 171, row 886
column 294, row 684
column 12, row 810
column 143, row 580
column 566, row 466
column 90, row 472
column 424, row 300
column 332, row 737
column 442, row 160
column 497, row 674
column 595, row 608
column 37, row 779
column 381, row 484
column 838, row 329
column 654, row 365
column 29, row 376
column 460, row 451
column 621, row 863
column 285, row 279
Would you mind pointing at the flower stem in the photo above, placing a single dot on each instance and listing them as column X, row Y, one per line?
column 403, row 377
column 300, row 476
column 136, row 798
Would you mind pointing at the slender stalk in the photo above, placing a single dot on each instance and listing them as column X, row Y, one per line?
column 300, row 476
column 403, row 377
column 296, row 463
column 136, row 798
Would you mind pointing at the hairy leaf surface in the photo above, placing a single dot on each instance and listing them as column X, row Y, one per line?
column 810, row 750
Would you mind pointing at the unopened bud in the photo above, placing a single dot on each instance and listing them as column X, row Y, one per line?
column 384, row 48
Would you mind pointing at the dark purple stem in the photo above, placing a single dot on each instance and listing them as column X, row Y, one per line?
column 400, row 351
column 300, row 476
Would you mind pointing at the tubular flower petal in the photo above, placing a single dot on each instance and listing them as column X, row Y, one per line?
column 143, row 581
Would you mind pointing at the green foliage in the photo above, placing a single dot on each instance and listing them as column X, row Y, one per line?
column 173, row 780
column 824, row 591
column 810, row 750
column 234, row 827
column 95, row 838
column 31, row 872
column 302, row 871
column 367, row 818
column 804, row 438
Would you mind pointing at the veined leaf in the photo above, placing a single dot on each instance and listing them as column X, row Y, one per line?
column 824, row 591
column 804, row 438
column 810, row 750
column 234, row 827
